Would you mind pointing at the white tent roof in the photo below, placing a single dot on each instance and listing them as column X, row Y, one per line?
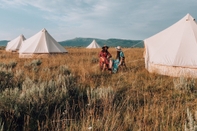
column 93, row 45
column 175, row 46
column 42, row 42
column 15, row 44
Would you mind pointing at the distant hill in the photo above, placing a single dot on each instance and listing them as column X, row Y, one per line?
column 3, row 42
column 84, row 42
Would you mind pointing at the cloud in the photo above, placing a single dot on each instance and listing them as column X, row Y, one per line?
column 130, row 19
column 10, row 2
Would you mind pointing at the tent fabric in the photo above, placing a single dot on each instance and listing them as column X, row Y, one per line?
column 41, row 43
column 47, row 55
column 174, row 71
column 173, row 51
column 94, row 44
column 15, row 44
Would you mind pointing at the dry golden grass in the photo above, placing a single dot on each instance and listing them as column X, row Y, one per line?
column 131, row 99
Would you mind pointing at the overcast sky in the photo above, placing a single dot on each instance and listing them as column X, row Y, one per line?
column 68, row 19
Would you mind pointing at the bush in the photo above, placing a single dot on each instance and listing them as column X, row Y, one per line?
column 36, row 62
column 94, row 60
column 186, row 84
column 6, row 79
column 12, row 64
column 39, row 101
column 64, row 70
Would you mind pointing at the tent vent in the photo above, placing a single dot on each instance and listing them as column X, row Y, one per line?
column 44, row 30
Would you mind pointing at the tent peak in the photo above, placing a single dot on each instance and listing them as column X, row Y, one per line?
column 188, row 14
column 44, row 30
column 188, row 17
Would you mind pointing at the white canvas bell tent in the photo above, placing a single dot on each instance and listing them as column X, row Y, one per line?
column 40, row 44
column 94, row 44
column 173, row 51
column 15, row 44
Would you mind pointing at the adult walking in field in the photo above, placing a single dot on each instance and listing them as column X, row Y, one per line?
column 104, row 57
column 119, row 61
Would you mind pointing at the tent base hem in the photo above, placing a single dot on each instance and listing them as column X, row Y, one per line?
column 12, row 50
column 172, row 71
column 40, row 55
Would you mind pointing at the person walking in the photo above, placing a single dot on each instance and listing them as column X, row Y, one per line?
column 104, row 57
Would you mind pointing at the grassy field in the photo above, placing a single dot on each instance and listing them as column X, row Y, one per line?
column 69, row 93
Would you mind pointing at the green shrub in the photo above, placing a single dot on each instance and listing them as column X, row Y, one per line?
column 186, row 84
column 12, row 64
column 64, row 70
column 94, row 60
column 39, row 101
column 36, row 62
column 6, row 78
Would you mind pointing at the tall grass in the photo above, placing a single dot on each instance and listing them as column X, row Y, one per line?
column 68, row 92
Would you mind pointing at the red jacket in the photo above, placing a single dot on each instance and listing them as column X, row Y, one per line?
column 105, row 54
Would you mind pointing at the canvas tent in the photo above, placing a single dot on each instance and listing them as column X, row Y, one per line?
column 41, row 44
column 15, row 44
column 173, row 51
column 93, row 45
